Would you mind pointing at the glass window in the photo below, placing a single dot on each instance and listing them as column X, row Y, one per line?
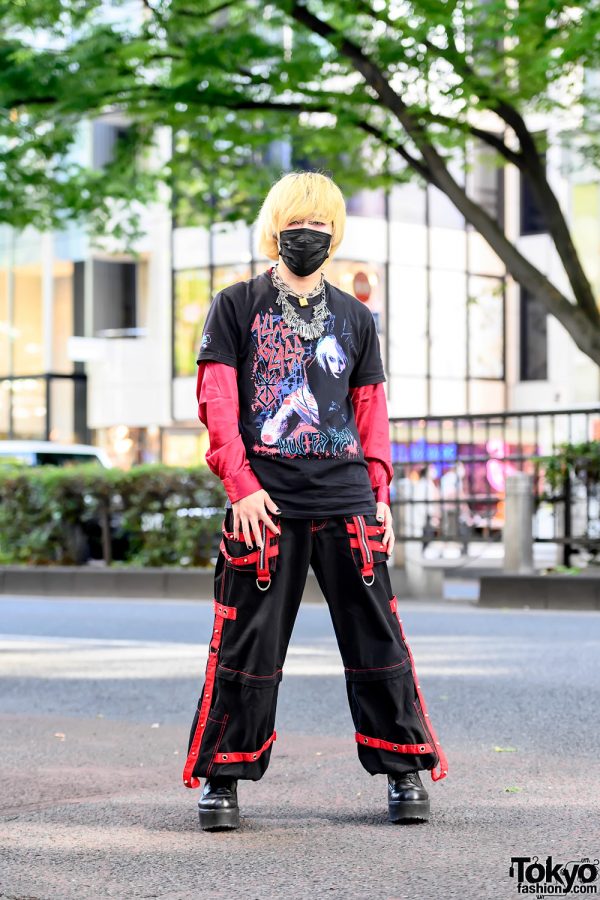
column 4, row 324
column 62, row 409
column 223, row 276
column 407, row 203
column 28, row 339
column 115, row 295
column 586, row 228
column 106, row 137
column 29, row 408
column 408, row 397
column 448, row 248
column 442, row 211
column 486, row 395
column 408, row 323
column 366, row 282
column 448, row 325
column 192, row 299
column 534, row 345
column 366, row 203
column 486, row 327
column 448, row 396
column 143, row 292
column 4, row 410
column 532, row 217
column 482, row 259
column 486, row 179
column 183, row 448
column 62, row 316
column 231, row 247
column 409, row 244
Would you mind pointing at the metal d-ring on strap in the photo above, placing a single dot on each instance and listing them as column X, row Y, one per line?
column 365, row 550
column 262, row 559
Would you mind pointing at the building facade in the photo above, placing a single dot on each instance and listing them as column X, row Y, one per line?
column 457, row 335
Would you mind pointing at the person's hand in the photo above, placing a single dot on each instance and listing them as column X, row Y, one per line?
column 249, row 512
column 384, row 514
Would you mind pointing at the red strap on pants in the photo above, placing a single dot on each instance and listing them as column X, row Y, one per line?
column 222, row 612
column 363, row 545
column 442, row 761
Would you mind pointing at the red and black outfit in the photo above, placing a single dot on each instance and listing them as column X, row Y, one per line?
column 307, row 421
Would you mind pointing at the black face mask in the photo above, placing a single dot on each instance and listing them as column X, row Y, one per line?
column 303, row 250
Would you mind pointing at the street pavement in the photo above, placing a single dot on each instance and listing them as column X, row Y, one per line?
column 97, row 698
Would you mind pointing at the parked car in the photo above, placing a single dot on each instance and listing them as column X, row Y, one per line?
column 49, row 453
column 86, row 536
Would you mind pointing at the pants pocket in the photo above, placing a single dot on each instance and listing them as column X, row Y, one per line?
column 387, row 723
column 240, row 726
column 211, row 741
column 365, row 535
column 254, row 560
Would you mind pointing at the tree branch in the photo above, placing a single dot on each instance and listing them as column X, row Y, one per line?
column 576, row 319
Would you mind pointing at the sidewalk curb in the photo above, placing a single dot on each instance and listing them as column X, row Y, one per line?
column 120, row 583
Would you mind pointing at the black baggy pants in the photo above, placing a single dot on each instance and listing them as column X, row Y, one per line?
column 257, row 595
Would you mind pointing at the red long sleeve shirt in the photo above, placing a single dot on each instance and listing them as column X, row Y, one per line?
column 218, row 409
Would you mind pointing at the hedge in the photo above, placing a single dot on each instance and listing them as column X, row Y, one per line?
column 151, row 515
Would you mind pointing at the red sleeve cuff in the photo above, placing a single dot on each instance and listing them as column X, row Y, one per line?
column 382, row 493
column 241, row 483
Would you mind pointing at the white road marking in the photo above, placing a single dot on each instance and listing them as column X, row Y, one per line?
column 31, row 656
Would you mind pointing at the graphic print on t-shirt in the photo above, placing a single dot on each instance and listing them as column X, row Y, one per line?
column 299, row 391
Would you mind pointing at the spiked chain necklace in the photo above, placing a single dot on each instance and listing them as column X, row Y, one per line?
column 321, row 312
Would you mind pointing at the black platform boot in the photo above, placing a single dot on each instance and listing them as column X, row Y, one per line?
column 218, row 805
column 408, row 801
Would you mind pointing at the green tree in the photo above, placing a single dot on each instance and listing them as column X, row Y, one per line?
column 374, row 91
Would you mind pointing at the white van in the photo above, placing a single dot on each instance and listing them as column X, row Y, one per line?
column 49, row 453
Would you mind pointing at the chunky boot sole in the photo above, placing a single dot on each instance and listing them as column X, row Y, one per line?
column 409, row 810
column 219, row 818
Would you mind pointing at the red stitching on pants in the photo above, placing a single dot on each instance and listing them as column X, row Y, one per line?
column 219, row 739
column 245, row 756
column 441, row 756
column 318, row 527
column 249, row 674
column 380, row 744
column 377, row 668
column 189, row 778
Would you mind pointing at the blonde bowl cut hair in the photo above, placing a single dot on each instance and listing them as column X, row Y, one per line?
column 299, row 195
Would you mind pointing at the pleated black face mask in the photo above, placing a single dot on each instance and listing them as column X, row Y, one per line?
column 303, row 250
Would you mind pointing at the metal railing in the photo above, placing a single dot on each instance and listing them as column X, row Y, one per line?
column 449, row 476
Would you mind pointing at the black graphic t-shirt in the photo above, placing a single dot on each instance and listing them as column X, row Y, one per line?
column 296, row 416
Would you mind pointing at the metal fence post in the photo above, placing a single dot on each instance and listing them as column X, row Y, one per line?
column 518, row 523
column 399, row 519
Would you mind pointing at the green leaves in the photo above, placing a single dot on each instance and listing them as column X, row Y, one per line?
column 244, row 72
column 48, row 514
column 371, row 91
column 581, row 460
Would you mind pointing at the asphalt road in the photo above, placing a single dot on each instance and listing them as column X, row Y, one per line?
column 96, row 699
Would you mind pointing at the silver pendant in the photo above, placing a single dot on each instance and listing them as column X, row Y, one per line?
column 307, row 330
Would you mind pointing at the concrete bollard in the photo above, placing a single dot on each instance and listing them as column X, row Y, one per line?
column 518, row 523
